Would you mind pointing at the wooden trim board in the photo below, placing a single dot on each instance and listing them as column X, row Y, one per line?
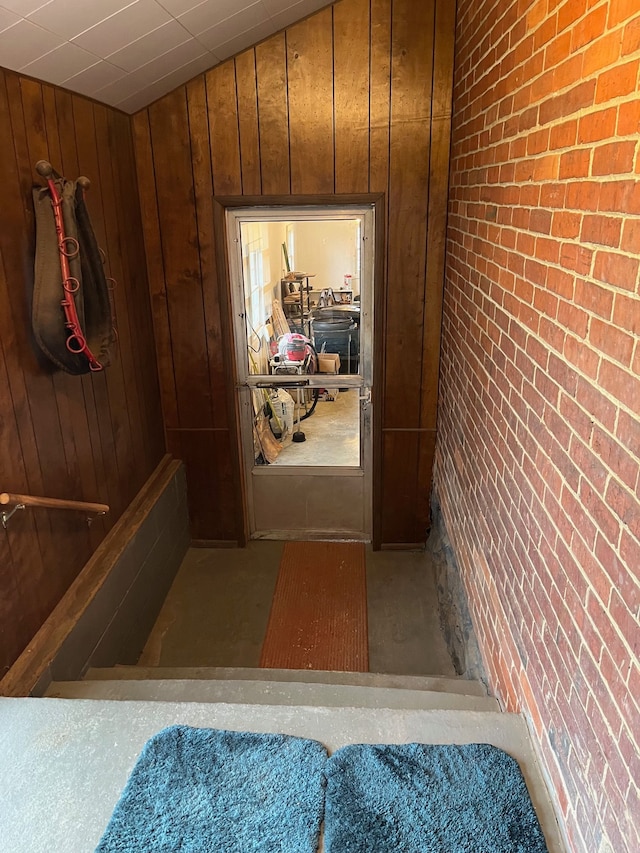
column 31, row 668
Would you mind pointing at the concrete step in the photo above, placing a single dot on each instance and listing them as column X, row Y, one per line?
column 305, row 676
column 65, row 763
column 269, row 693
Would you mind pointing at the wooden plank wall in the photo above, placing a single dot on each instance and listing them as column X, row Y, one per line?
column 354, row 99
column 96, row 437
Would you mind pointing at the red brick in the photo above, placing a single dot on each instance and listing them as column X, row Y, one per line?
column 570, row 12
column 560, row 282
column 631, row 236
column 597, row 126
column 575, row 164
column 631, row 37
column 629, row 117
column 592, row 399
column 575, row 257
column 616, row 457
column 621, row 385
column 593, row 297
column 628, row 431
column 557, row 50
column 578, row 353
column 538, row 142
column 615, row 158
column 547, row 250
column 620, row 196
column 565, row 224
column 626, row 313
column 578, row 98
column 552, row 195
column 540, row 221
column 619, row 270
column 564, row 135
column 625, row 506
column 604, row 52
column 567, row 74
column 584, row 195
column 604, row 230
column 573, row 318
column 611, row 341
column 589, row 28
column 617, row 82
column 620, row 10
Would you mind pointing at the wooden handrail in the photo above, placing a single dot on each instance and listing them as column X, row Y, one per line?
column 51, row 503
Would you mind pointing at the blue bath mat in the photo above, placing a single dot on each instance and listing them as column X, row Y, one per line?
column 203, row 790
column 416, row 798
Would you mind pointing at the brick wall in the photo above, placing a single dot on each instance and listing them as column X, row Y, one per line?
column 537, row 464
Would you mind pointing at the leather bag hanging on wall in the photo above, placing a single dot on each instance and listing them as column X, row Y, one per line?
column 72, row 315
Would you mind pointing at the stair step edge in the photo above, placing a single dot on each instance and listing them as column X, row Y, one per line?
column 447, row 684
column 266, row 693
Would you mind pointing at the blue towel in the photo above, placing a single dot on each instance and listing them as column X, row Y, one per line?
column 208, row 791
column 428, row 799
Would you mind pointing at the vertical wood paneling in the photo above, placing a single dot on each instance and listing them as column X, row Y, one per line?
column 223, row 129
column 371, row 68
column 310, row 86
column 248, row 122
column 60, row 435
column 273, row 115
column 411, row 66
column 380, row 95
column 145, row 170
column 351, row 46
column 180, row 252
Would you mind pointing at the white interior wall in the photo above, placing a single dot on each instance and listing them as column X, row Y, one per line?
column 328, row 249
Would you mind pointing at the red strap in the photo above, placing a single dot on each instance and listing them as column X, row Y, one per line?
column 68, row 248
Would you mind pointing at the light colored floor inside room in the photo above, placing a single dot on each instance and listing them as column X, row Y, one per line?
column 218, row 607
column 332, row 434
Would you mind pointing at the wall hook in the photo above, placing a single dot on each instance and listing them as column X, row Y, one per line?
column 6, row 516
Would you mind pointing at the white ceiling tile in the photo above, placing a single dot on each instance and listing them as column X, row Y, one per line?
column 248, row 19
column 124, row 27
column 156, row 90
column 24, row 42
column 23, row 7
column 246, row 39
column 208, row 14
column 88, row 82
column 69, row 18
column 170, row 61
column 60, row 64
column 275, row 6
column 150, row 46
column 179, row 7
column 7, row 19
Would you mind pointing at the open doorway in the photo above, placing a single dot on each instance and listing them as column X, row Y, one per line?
column 302, row 298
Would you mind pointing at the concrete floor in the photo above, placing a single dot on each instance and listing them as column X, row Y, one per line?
column 332, row 434
column 217, row 610
column 64, row 763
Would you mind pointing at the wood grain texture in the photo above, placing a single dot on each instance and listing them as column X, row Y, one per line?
column 318, row 616
column 248, row 122
column 85, row 438
column 310, row 89
column 351, row 47
column 273, row 115
column 356, row 98
column 29, row 668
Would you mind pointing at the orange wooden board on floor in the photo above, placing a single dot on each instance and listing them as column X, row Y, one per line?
column 318, row 616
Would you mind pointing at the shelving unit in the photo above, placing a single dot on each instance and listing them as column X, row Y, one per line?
column 296, row 302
